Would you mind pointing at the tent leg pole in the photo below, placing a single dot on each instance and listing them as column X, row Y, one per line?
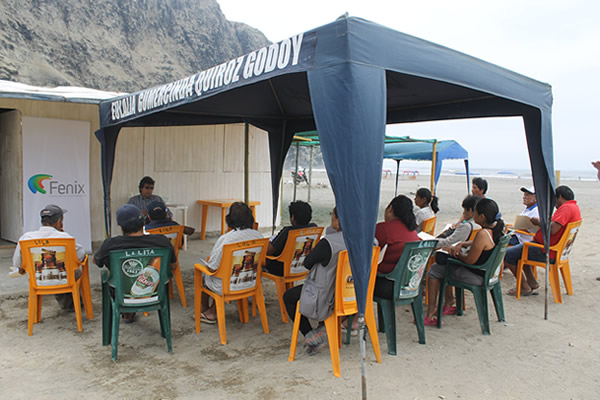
column 310, row 172
column 363, row 352
column 296, row 173
column 397, row 172
column 246, row 163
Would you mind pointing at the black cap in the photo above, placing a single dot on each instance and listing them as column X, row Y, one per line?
column 127, row 213
column 157, row 209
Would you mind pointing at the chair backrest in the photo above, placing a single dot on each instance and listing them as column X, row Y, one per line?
column 345, row 295
column 139, row 276
column 173, row 232
column 410, row 268
column 473, row 234
column 428, row 225
column 495, row 263
column 299, row 244
column 565, row 244
column 241, row 263
column 50, row 262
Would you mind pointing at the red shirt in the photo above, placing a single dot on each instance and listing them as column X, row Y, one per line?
column 395, row 234
column 565, row 214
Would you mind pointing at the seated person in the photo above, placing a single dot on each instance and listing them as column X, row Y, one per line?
column 488, row 216
column 463, row 230
column 567, row 211
column 131, row 221
column 324, row 256
column 399, row 227
column 531, row 211
column 157, row 215
column 241, row 222
column 300, row 216
column 427, row 206
column 146, row 196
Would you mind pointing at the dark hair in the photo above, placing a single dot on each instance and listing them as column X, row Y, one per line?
column 51, row 220
column 338, row 218
column 469, row 202
column 402, row 207
column 145, row 181
column 489, row 209
column 432, row 201
column 481, row 184
column 301, row 211
column 565, row 192
column 240, row 216
column 133, row 225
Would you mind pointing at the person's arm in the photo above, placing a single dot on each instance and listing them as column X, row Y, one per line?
column 477, row 247
column 461, row 234
column 321, row 254
column 596, row 165
column 555, row 227
column 276, row 246
column 80, row 251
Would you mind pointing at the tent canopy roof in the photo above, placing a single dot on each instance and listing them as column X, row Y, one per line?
column 446, row 150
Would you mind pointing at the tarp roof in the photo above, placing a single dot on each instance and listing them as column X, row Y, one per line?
column 346, row 80
column 70, row 94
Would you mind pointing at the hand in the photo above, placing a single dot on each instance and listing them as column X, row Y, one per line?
column 535, row 221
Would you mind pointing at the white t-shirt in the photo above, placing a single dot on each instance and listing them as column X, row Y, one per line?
column 45, row 232
column 531, row 212
column 422, row 214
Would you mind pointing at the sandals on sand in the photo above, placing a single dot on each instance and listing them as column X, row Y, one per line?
column 449, row 310
column 431, row 321
column 513, row 292
column 206, row 320
column 128, row 318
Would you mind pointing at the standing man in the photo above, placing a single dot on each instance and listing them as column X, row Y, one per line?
column 52, row 228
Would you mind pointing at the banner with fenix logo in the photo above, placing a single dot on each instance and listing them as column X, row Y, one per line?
column 56, row 170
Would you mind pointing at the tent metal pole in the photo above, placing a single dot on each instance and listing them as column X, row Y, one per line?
column 363, row 355
column 433, row 162
column 246, row 163
column 467, row 175
column 310, row 172
column 296, row 173
column 397, row 172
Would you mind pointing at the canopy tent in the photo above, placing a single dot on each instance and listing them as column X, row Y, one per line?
column 434, row 151
column 346, row 80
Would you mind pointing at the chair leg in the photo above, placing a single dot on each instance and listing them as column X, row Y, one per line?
column 116, row 315
column 77, row 306
column 332, row 327
column 220, row 304
column 38, row 310
column 197, row 298
column 259, row 299
column 519, row 277
column 86, row 295
column 33, row 303
column 165, row 319
column 459, row 295
column 417, row 309
column 565, row 271
column 281, row 288
column 295, row 330
column 106, row 315
column 482, row 310
column 498, row 301
column 388, row 310
column 372, row 328
column 555, row 283
column 348, row 329
column 253, row 307
column 179, row 283
column 380, row 320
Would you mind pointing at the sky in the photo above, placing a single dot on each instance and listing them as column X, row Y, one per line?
column 556, row 42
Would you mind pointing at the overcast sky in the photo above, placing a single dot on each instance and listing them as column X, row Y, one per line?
column 557, row 42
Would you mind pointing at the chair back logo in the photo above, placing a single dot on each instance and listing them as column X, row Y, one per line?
column 243, row 268
column 140, row 279
column 304, row 245
column 49, row 265
column 416, row 267
column 569, row 244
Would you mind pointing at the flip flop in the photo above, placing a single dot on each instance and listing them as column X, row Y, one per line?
column 513, row 292
column 206, row 320
column 449, row 310
column 431, row 321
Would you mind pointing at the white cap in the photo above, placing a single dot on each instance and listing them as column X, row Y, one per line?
column 530, row 189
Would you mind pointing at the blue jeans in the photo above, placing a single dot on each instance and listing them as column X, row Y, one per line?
column 514, row 254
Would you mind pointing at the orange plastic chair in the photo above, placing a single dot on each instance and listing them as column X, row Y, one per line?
column 428, row 225
column 240, row 271
column 51, row 265
column 345, row 305
column 299, row 243
column 175, row 235
column 561, row 262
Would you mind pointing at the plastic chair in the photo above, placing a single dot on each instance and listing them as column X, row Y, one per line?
column 299, row 243
column 407, row 276
column 240, row 271
column 138, row 283
column 51, row 265
column 345, row 305
column 428, row 225
column 175, row 235
column 561, row 262
column 491, row 283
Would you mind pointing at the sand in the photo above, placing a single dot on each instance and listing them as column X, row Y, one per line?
column 525, row 357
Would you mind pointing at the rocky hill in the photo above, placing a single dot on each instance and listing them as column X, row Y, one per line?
column 120, row 45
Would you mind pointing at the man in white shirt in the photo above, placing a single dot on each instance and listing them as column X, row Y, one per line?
column 52, row 227
column 531, row 211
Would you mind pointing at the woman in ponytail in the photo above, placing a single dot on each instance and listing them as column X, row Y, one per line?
column 488, row 216
column 428, row 206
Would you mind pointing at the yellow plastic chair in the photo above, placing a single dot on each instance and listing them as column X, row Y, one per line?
column 51, row 265
column 561, row 262
column 240, row 271
column 428, row 225
column 345, row 305
column 299, row 243
column 175, row 235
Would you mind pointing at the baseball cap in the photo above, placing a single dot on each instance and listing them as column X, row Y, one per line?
column 52, row 210
column 157, row 209
column 530, row 189
column 127, row 213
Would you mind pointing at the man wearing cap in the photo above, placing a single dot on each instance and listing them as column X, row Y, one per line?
column 530, row 211
column 52, row 227
column 157, row 214
column 131, row 221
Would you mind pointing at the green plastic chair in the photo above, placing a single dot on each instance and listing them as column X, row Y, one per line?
column 407, row 276
column 137, row 283
column 491, row 283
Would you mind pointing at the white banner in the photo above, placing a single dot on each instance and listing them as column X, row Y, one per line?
column 56, row 170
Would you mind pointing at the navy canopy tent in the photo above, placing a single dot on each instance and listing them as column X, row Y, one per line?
column 424, row 151
column 346, row 80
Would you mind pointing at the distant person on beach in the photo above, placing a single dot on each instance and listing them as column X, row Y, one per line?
column 567, row 211
column 427, row 206
column 531, row 211
column 479, row 187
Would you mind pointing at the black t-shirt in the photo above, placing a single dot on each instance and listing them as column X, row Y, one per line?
column 279, row 241
column 102, row 256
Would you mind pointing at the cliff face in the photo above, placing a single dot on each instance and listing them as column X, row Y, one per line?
column 120, row 45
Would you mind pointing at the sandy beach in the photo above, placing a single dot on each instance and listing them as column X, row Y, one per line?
column 525, row 357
